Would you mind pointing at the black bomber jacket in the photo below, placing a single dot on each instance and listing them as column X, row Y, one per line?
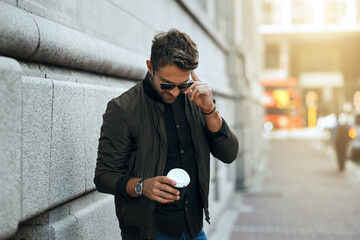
column 133, row 144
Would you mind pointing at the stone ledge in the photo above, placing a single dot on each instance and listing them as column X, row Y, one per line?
column 91, row 216
column 24, row 35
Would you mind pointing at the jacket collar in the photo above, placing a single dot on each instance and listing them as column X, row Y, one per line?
column 149, row 90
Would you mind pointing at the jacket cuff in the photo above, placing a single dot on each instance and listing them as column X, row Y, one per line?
column 121, row 186
column 223, row 131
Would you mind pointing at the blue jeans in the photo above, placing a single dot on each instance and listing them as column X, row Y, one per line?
column 160, row 236
column 184, row 236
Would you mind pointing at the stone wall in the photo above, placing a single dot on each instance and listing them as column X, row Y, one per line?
column 60, row 63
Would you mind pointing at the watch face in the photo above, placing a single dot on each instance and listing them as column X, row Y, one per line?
column 138, row 188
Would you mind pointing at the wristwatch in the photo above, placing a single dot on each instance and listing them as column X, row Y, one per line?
column 139, row 187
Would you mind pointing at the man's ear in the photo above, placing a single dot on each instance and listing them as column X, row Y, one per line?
column 149, row 67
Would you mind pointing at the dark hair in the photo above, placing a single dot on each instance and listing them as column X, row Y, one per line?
column 175, row 48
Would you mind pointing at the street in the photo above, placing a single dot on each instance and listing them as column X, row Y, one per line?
column 298, row 195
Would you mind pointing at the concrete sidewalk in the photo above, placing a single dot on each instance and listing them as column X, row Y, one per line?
column 299, row 195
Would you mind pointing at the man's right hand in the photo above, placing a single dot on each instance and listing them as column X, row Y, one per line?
column 159, row 189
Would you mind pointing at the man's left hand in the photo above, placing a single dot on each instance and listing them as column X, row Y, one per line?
column 201, row 94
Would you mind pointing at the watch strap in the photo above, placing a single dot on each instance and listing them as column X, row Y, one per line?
column 142, row 180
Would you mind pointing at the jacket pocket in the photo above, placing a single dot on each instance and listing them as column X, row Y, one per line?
column 137, row 212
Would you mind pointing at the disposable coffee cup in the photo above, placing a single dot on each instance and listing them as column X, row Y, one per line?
column 182, row 179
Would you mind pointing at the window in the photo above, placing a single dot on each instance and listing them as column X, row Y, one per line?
column 272, row 56
column 302, row 12
column 270, row 12
column 266, row 8
column 334, row 11
column 357, row 11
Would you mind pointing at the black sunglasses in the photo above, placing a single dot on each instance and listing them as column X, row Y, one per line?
column 169, row 86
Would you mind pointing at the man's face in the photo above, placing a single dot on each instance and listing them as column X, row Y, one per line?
column 166, row 76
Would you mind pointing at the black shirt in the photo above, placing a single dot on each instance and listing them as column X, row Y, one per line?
column 186, row 214
column 173, row 218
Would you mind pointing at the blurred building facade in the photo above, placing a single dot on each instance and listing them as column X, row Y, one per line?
column 318, row 43
column 62, row 61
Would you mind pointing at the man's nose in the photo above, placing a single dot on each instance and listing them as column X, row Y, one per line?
column 175, row 91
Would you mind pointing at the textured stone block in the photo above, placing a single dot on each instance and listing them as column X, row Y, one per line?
column 96, row 99
column 96, row 219
column 227, row 109
column 36, row 144
column 218, row 81
column 63, row 12
column 241, row 112
column 107, row 18
column 11, row 2
column 67, row 171
column 10, row 145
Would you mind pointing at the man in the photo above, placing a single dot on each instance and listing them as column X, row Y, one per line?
column 167, row 121
column 341, row 143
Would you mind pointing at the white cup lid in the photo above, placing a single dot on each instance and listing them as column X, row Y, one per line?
column 180, row 176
